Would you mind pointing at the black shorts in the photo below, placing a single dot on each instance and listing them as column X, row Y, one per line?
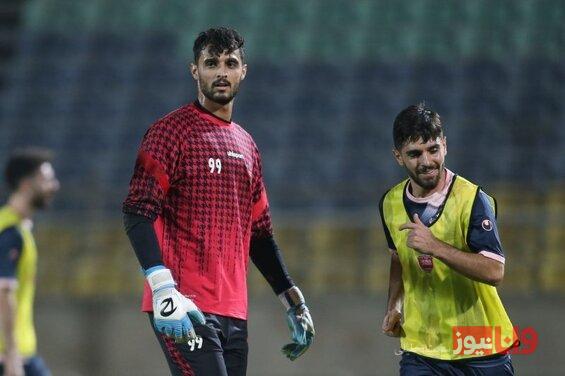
column 495, row 365
column 220, row 349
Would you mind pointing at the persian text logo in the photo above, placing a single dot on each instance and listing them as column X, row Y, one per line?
column 488, row 340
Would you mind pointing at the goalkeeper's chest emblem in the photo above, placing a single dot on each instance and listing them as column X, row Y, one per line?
column 168, row 307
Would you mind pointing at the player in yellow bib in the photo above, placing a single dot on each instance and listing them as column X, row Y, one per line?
column 446, row 259
column 31, row 181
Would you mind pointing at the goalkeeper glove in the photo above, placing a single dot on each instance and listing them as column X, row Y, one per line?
column 299, row 322
column 174, row 314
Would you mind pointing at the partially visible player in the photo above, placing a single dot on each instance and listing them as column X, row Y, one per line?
column 446, row 259
column 196, row 211
column 32, row 183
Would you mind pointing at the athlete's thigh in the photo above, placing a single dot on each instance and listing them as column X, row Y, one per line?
column 201, row 357
column 236, row 348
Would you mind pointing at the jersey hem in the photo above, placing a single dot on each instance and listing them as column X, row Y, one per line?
column 462, row 358
column 234, row 315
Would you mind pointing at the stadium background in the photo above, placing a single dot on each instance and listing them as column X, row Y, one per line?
column 326, row 78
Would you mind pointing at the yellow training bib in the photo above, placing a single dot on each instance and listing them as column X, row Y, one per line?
column 442, row 308
column 25, row 274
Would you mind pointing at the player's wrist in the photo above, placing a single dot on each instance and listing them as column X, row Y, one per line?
column 299, row 322
column 152, row 269
column 395, row 307
column 159, row 278
column 439, row 249
column 292, row 298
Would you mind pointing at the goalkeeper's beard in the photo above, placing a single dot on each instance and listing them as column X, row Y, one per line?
column 219, row 98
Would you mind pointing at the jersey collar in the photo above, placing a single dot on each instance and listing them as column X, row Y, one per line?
column 436, row 198
column 203, row 112
column 436, row 217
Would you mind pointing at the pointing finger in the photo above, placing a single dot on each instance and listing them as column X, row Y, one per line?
column 417, row 219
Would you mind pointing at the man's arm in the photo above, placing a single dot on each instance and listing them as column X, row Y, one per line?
column 154, row 169
column 11, row 244
column 179, row 324
column 265, row 254
column 12, row 360
column 143, row 239
column 391, row 322
column 472, row 265
column 267, row 257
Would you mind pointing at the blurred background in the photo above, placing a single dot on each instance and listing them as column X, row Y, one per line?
column 325, row 81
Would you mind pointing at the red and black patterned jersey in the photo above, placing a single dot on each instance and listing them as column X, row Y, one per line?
column 200, row 178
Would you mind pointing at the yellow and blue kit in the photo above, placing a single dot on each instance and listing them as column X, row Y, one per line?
column 18, row 263
column 437, row 299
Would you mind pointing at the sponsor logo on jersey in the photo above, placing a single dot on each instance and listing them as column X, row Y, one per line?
column 487, row 225
column 233, row 154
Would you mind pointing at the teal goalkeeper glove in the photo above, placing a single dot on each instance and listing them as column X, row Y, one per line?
column 299, row 322
column 174, row 314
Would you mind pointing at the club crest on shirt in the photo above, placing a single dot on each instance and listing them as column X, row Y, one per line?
column 426, row 262
column 486, row 224
column 233, row 154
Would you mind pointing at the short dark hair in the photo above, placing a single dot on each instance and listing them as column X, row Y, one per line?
column 219, row 39
column 415, row 122
column 23, row 163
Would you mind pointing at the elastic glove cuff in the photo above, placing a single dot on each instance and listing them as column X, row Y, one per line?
column 159, row 277
column 292, row 298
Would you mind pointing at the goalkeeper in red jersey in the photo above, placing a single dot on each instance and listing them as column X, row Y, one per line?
column 196, row 211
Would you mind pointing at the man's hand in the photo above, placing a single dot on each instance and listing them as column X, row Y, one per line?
column 420, row 237
column 391, row 323
column 299, row 322
column 174, row 314
column 13, row 364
